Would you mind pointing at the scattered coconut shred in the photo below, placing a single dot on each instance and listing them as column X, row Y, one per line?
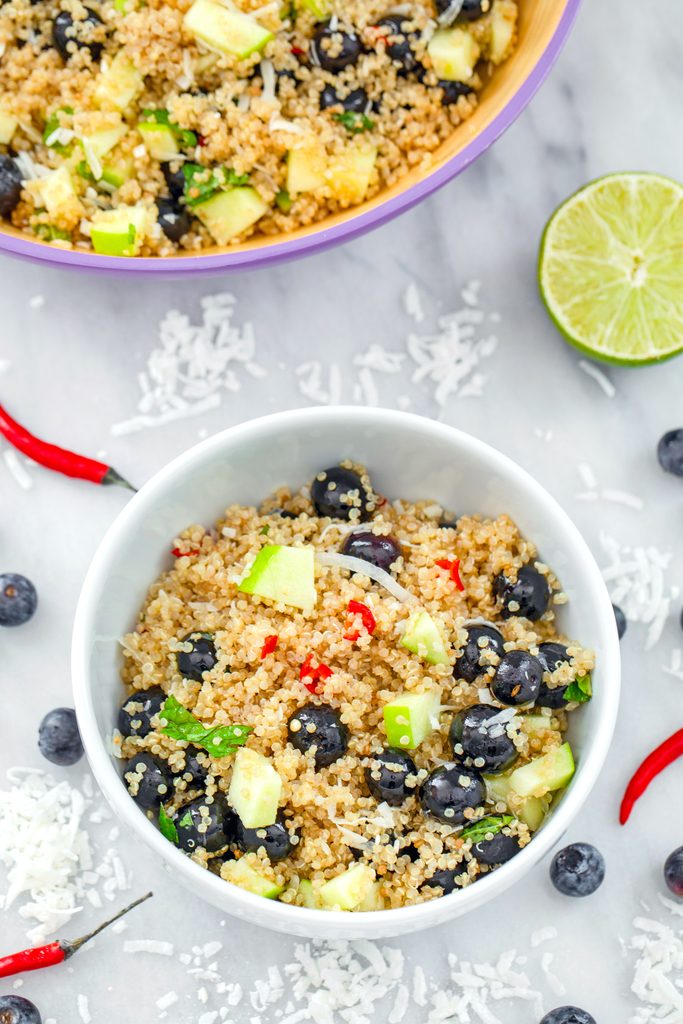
column 636, row 579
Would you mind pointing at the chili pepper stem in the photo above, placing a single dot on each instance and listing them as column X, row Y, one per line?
column 112, row 477
column 71, row 946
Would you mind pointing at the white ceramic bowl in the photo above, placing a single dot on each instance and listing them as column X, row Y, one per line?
column 408, row 456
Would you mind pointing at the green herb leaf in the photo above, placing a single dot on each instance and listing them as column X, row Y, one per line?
column 184, row 136
column 51, row 125
column 354, row 121
column 265, row 529
column 284, row 200
column 186, row 820
column 201, row 183
column 48, row 232
column 167, row 826
column 491, row 825
column 580, row 690
column 181, row 724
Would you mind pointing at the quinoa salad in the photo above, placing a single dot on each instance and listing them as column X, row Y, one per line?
column 151, row 128
column 347, row 702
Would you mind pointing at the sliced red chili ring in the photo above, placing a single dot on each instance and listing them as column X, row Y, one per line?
column 177, row 553
column 269, row 645
column 313, row 672
column 369, row 621
column 453, row 567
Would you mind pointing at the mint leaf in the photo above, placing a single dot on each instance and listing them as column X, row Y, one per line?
column 354, row 121
column 201, row 183
column 186, row 820
column 181, row 724
column 166, row 826
column 580, row 690
column 48, row 232
column 284, row 200
column 479, row 830
column 184, row 136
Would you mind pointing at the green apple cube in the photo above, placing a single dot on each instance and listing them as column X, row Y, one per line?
column 227, row 214
column 159, row 140
column 306, row 167
column 119, row 232
column 373, row 900
column 225, row 29
column 102, row 141
column 545, row 774
column 119, row 84
column 503, row 24
column 8, row 126
column 241, row 874
column 308, row 894
column 533, row 812
column 410, row 718
column 283, row 574
column 454, row 54
column 255, row 789
column 348, row 890
column 348, row 174
column 117, row 172
column 56, row 190
column 423, row 637
column 320, row 9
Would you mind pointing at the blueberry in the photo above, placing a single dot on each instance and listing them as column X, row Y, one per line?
column 452, row 91
column 18, row 597
column 450, row 790
column 670, row 452
column 471, row 10
column 337, row 491
column 201, row 659
column 620, row 620
column 479, row 639
column 578, row 870
column 205, row 823
column 69, row 35
column 148, row 779
column 138, row 710
column 377, row 550
column 529, row 593
column 473, row 739
column 175, row 180
column 517, row 679
column 58, row 737
column 196, row 768
column 497, row 850
column 673, row 871
column 386, row 776
column 10, row 185
column 319, row 726
column 333, row 49
column 449, row 521
column 275, row 839
column 398, row 41
column 446, row 880
column 355, row 101
column 551, row 655
column 568, row 1015
column 175, row 220
column 284, row 513
column 17, row 1010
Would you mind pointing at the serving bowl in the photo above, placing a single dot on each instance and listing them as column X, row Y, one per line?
column 409, row 457
column 543, row 28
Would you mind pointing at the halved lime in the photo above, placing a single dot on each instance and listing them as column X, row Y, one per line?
column 611, row 268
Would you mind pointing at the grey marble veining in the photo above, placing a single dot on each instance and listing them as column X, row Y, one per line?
column 613, row 102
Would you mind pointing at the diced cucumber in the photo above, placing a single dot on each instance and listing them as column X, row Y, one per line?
column 159, row 140
column 348, row 890
column 423, row 637
column 503, row 24
column 104, row 140
column 118, row 171
column 544, row 774
column 349, row 173
column 227, row 214
column 453, row 53
column 8, row 126
column 535, row 725
column 284, row 574
column 374, row 899
column 227, row 30
column 56, row 191
column 533, row 811
column 241, row 874
column 119, row 232
column 306, row 166
column 255, row 789
column 411, row 717
column 120, row 84
column 308, row 894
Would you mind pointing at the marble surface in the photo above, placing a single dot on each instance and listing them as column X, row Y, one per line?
column 611, row 103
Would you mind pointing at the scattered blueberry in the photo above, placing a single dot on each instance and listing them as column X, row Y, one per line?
column 196, row 768
column 568, row 1015
column 152, row 783
column 210, row 825
column 620, row 620
column 355, row 101
column 446, row 880
column 175, row 180
column 319, row 726
column 138, row 710
column 336, row 491
column 333, row 49
column 175, row 220
column 529, row 593
column 386, row 775
column 17, row 1010
column 398, row 41
column 551, row 655
column 450, row 790
column 673, row 871
column 517, row 679
column 578, row 870
column 474, row 740
column 10, row 185
column 276, row 839
column 471, row 10
column 452, row 91
column 58, row 737
column 201, row 659
column 497, row 850
column 18, row 597
column 480, row 639
column 69, row 34
column 377, row 550
column 670, row 452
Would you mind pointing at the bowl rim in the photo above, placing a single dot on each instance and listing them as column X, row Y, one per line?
column 309, row 921
column 275, row 252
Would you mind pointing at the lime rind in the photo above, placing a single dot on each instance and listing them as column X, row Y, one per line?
column 611, row 269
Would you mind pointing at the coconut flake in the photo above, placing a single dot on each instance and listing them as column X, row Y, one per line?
column 363, row 568
column 600, row 378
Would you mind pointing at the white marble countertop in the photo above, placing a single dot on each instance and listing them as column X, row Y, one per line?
column 612, row 103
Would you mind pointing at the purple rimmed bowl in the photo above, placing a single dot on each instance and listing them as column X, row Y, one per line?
column 543, row 28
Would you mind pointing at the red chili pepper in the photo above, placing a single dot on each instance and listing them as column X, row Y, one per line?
column 59, row 459
column 453, row 567
column 56, row 952
column 660, row 758
column 367, row 618
column 201, row 141
column 269, row 645
column 177, row 553
column 313, row 672
column 297, row 51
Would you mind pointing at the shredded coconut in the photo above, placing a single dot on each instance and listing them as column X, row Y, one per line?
column 600, row 378
column 636, row 578
column 17, row 469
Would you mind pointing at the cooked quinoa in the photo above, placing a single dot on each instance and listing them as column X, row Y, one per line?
column 455, row 615
column 149, row 128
